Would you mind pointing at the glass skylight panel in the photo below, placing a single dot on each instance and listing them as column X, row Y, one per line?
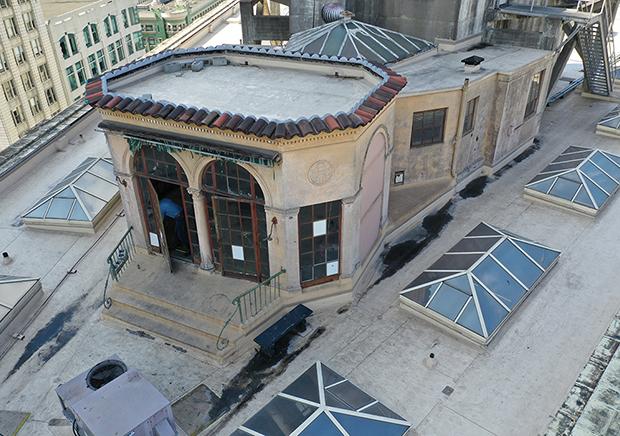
column 354, row 39
column 477, row 299
column 610, row 123
column 79, row 197
column 585, row 180
column 321, row 403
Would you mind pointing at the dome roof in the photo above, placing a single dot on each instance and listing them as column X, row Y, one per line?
column 355, row 39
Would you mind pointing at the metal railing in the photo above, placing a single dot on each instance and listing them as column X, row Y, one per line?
column 252, row 302
column 121, row 255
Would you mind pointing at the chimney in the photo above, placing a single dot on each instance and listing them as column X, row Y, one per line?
column 472, row 64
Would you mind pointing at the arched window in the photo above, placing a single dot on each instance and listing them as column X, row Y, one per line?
column 229, row 179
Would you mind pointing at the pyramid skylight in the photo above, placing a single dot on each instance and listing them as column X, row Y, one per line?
column 79, row 201
column 355, row 39
column 322, row 403
column 610, row 124
column 580, row 178
column 479, row 282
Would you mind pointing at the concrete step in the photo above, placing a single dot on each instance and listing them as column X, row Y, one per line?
column 171, row 310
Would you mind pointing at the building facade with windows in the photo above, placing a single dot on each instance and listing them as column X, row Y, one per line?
column 31, row 87
column 161, row 20
column 309, row 175
column 92, row 37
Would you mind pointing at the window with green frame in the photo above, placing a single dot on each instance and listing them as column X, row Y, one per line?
column 120, row 51
column 319, row 242
column 71, row 78
column 134, row 18
column 137, row 40
column 86, row 34
column 114, row 24
column 112, row 54
column 107, row 27
column 92, row 65
column 72, row 43
column 125, row 19
column 94, row 30
column 101, row 61
column 129, row 45
column 81, row 74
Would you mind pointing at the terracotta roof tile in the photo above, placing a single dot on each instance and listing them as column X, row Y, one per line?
column 97, row 96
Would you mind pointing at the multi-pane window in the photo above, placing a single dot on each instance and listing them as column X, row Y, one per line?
column 71, row 78
column 319, row 242
column 110, row 25
column 137, row 39
column 101, row 61
column 470, row 116
column 8, row 88
column 3, row 65
column 129, row 45
column 112, row 54
column 44, row 73
column 5, row 3
column 27, row 81
column 50, row 96
column 29, row 21
column 37, row 49
column 125, row 18
column 148, row 28
column 92, row 65
column 10, row 27
column 534, row 95
column 35, row 106
column 64, row 48
column 81, row 74
column 94, row 32
column 17, row 115
column 134, row 18
column 88, row 41
column 72, row 43
column 114, row 24
column 120, row 51
column 18, row 53
column 428, row 127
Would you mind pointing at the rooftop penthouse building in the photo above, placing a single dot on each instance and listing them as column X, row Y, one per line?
column 290, row 169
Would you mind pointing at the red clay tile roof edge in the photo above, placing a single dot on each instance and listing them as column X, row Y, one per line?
column 363, row 113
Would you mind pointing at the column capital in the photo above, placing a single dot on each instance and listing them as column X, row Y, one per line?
column 195, row 192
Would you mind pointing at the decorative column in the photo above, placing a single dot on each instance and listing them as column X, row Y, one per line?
column 284, row 245
column 349, row 235
column 130, row 199
column 202, row 227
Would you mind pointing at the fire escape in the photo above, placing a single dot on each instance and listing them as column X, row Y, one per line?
column 588, row 25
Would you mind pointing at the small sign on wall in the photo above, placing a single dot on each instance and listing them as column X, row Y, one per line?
column 319, row 228
column 237, row 252
column 399, row 177
column 154, row 239
column 332, row 268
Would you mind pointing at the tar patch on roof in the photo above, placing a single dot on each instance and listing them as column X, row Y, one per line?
column 79, row 201
column 321, row 402
column 355, row 39
column 580, row 178
column 479, row 282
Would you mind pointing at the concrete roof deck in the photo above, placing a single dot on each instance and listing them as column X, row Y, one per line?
column 55, row 8
column 444, row 70
column 261, row 91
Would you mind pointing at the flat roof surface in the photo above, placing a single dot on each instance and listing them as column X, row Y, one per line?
column 272, row 92
column 445, row 70
column 54, row 8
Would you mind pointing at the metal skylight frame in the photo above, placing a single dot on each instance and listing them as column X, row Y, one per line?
column 610, row 123
column 299, row 42
column 473, row 280
column 583, row 176
column 323, row 408
column 69, row 182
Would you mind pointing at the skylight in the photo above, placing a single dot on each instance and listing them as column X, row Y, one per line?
column 322, row 403
column 610, row 123
column 580, row 178
column 80, row 200
column 479, row 282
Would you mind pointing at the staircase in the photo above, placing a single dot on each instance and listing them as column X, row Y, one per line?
column 596, row 45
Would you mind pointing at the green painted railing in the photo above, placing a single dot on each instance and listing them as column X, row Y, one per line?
column 121, row 255
column 252, row 302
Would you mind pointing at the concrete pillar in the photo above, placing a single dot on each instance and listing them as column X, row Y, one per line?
column 349, row 235
column 202, row 227
column 284, row 246
column 130, row 198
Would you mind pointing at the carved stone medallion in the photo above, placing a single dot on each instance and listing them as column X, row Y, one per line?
column 320, row 172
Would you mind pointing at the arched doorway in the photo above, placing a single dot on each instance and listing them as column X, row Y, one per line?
column 373, row 176
column 237, row 224
column 167, row 207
